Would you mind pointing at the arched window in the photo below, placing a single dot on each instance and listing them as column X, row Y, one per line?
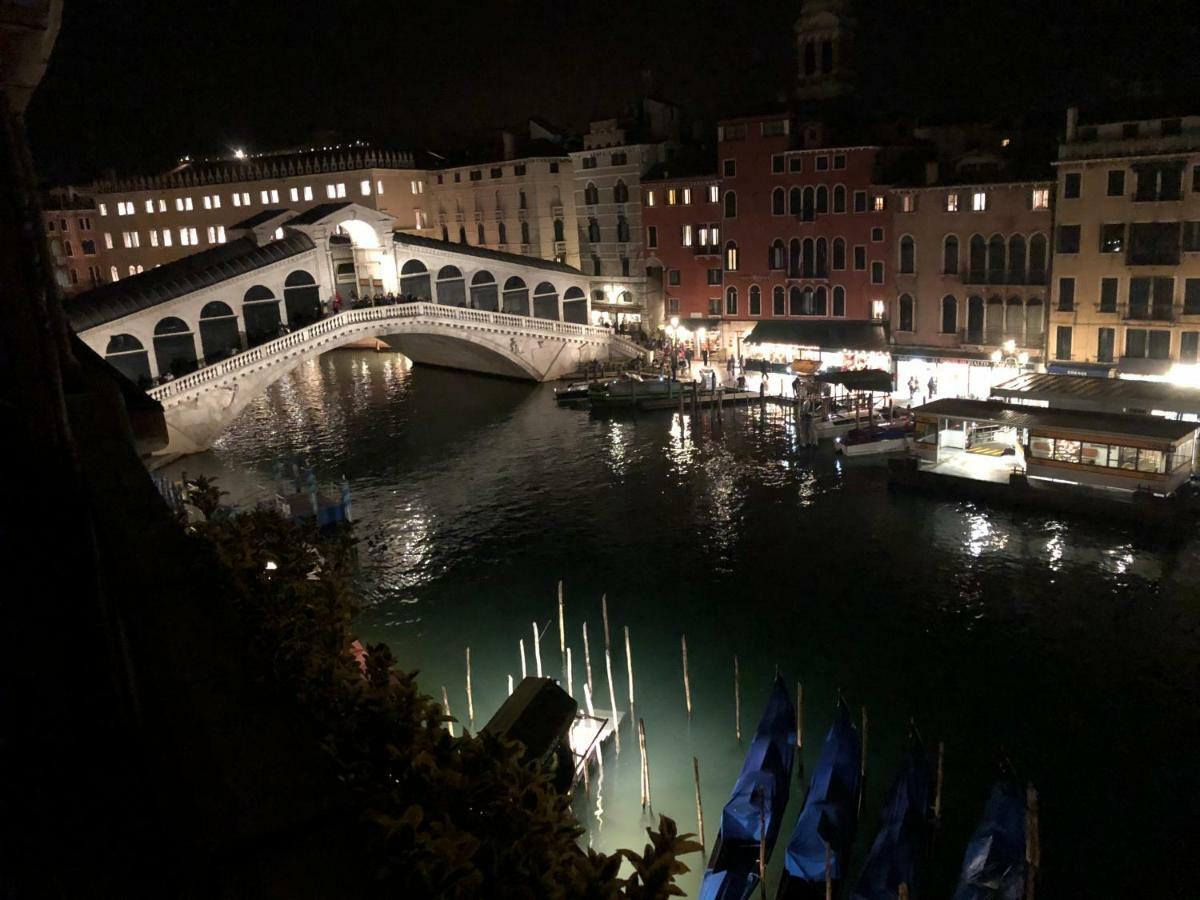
column 839, row 198
column 775, row 257
column 822, row 199
column 778, row 202
column 594, row 231
column 822, row 258
column 755, row 300
column 795, row 302
column 481, row 237
column 445, row 234
column 545, row 301
column 794, row 201
column 810, row 58
column 1014, row 320
column 731, row 301
column 839, row 300
column 414, row 280
column 949, row 315
column 620, row 192
column 808, row 303
column 996, row 259
column 1034, row 324
column 778, row 302
column 622, row 229
column 516, row 297
column 174, row 346
column 978, row 259
column 1016, row 259
column 905, row 321
column 558, row 230
column 524, row 232
column 730, row 205
column 808, row 266
column 462, row 234
column 591, row 196
column 993, row 322
column 975, row 320
column 260, row 315
column 950, row 255
column 301, row 299
column 113, row 274
column 127, row 355
column 501, row 233
column 1037, row 259
column 808, row 212
column 575, row 306
column 908, row 255
column 731, row 256
column 484, row 293
column 839, row 254
column 820, row 301
column 794, row 258
column 451, row 289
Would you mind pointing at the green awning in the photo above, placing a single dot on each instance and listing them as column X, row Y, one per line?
column 822, row 333
column 858, row 379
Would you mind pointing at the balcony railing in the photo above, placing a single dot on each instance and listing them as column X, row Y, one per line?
column 1002, row 279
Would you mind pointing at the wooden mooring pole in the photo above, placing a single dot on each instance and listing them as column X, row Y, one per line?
column 470, row 699
column 446, row 710
column 647, row 803
column 629, row 666
column 687, row 683
column 524, row 670
column 562, row 634
column 699, row 804
column 537, row 650
column 612, row 691
column 587, row 659
column 737, row 699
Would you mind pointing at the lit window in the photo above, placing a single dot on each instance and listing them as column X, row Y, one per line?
column 150, row 207
column 104, row 209
column 162, row 204
column 237, row 200
column 183, row 237
column 308, row 195
column 220, row 234
column 331, row 191
column 137, row 241
column 245, row 198
column 979, row 201
column 166, row 237
column 294, row 193
column 216, row 201
column 413, row 185
column 877, row 309
column 207, row 202
column 649, row 198
column 687, row 196
column 907, row 203
column 1041, row 198
column 687, row 235
column 278, row 234
column 671, row 196
column 716, row 235
column 187, row 203
column 952, row 203
column 731, row 257
column 341, row 188
column 878, row 204
column 275, row 195
column 133, row 270
column 195, row 237
column 379, row 186
column 126, row 240
column 266, row 197
column 108, row 244
column 112, row 273
column 153, row 238
column 365, row 187
column 212, row 234
column 139, row 270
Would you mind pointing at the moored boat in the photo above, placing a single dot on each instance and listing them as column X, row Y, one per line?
column 994, row 866
column 572, row 392
column 900, row 851
column 867, row 441
column 751, row 819
column 629, row 389
column 819, row 849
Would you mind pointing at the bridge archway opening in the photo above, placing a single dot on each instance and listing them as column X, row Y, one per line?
column 451, row 289
column 414, row 280
column 219, row 338
column 129, row 357
column 361, row 234
column 545, row 301
column 516, row 297
column 174, row 346
column 301, row 298
column 575, row 306
column 485, row 294
column 260, row 315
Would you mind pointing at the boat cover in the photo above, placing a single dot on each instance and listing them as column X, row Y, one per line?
column 729, row 885
column 830, row 814
column 898, row 854
column 994, row 864
column 759, row 798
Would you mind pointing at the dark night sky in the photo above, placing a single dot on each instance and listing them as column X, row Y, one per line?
column 134, row 84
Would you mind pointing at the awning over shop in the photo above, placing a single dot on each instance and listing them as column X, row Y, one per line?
column 859, row 379
column 952, row 353
column 698, row 322
column 1086, row 370
column 1101, row 394
column 824, row 334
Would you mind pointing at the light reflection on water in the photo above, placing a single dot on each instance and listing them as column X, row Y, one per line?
column 1050, row 639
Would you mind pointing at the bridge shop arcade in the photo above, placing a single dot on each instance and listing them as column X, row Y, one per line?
column 992, row 441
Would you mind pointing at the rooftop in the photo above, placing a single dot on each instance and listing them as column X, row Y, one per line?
column 257, row 219
column 317, row 213
column 136, row 293
column 512, row 259
column 1084, row 423
column 1084, row 392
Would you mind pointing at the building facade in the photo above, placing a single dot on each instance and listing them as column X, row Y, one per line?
column 76, row 249
column 1126, row 289
column 141, row 223
column 970, row 266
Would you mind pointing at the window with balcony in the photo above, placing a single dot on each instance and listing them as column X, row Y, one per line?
column 1191, row 297
column 1062, row 343
column 795, row 164
column 1189, row 346
column 1066, row 294
column 1154, row 244
column 1191, row 237
column 621, row 193
column 1151, row 298
column 1105, row 344
column 1108, row 295
column 905, row 319
column 1158, row 181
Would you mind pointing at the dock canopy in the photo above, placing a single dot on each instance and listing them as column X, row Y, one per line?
column 1036, row 417
column 858, row 379
column 1101, row 394
column 823, row 334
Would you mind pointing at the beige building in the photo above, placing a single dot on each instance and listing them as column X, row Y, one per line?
column 140, row 223
column 76, row 251
column 1126, row 292
column 971, row 271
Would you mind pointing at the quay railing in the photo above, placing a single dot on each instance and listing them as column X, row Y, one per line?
column 347, row 320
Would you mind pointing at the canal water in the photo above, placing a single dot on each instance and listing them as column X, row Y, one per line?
column 1068, row 646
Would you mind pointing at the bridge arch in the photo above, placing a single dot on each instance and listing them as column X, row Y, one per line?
column 414, row 279
column 516, row 297
column 219, row 337
column 301, row 298
column 485, row 294
column 260, row 315
column 129, row 357
column 174, row 346
column 451, row 289
column 545, row 301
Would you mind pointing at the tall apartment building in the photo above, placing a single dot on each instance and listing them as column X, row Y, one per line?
column 69, row 220
column 970, row 263
column 1126, row 292
column 146, row 221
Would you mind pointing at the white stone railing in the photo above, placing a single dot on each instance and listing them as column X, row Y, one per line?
column 346, row 321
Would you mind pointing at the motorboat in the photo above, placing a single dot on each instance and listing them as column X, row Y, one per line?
column 868, row 441
column 630, row 388
column 572, row 392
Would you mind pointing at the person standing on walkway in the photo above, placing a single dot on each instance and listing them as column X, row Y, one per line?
column 932, row 386
column 704, row 355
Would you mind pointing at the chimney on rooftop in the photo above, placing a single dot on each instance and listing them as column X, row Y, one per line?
column 510, row 144
column 1072, row 122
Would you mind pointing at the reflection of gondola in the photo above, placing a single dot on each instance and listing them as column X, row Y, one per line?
column 898, row 855
column 994, row 865
column 824, row 834
column 750, row 820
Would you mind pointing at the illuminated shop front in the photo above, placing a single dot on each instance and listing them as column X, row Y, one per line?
column 615, row 305
column 959, row 373
column 783, row 346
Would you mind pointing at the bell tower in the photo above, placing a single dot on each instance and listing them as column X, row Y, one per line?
column 824, row 49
